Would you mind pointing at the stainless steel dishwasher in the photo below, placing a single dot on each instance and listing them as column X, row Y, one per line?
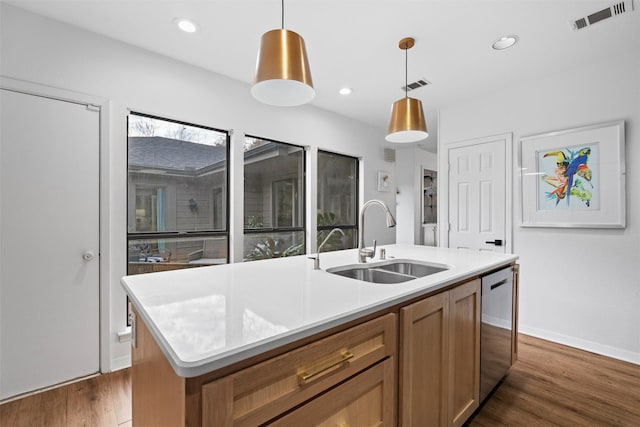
column 496, row 329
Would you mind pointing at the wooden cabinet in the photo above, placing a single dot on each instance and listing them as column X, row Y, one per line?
column 440, row 358
column 360, row 360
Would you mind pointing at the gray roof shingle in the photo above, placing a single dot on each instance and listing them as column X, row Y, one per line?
column 173, row 154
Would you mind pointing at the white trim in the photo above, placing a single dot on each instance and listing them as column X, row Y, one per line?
column 121, row 362
column 442, row 212
column 51, row 387
column 443, row 186
column 593, row 347
column 236, row 193
column 311, row 196
column 104, row 217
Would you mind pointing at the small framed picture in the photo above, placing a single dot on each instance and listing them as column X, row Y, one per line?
column 384, row 181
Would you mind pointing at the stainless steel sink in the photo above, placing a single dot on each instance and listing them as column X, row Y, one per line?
column 412, row 269
column 373, row 275
column 390, row 271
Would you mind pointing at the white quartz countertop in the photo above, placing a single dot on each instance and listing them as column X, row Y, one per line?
column 209, row 317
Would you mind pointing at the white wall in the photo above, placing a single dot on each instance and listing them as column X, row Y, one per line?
column 409, row 176
column 47, row 52
column 580, row 287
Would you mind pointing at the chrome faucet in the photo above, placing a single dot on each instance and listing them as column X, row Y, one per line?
column 316, row 259
column 364, row 252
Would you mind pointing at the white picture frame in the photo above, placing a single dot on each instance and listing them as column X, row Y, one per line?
column 384, row 181
column 574, row 177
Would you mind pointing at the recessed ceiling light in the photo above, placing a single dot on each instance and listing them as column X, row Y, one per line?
column 345, row 91
column 186, row 25
column 505, row 42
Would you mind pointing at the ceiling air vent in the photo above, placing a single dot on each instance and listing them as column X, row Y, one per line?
column 581, row 23
column 416, row 85
column 616, row 9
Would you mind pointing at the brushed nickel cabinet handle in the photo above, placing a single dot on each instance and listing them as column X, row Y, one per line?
column 303, row 377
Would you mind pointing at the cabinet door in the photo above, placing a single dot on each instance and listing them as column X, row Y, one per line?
column 364, row 400
column 464, row 351
column 424, row 362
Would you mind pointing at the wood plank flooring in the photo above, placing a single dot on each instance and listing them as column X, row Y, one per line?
column 556, row 385
column 550, row 385
column 102, row 401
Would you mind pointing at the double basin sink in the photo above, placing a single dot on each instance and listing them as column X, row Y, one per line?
column 389, row 271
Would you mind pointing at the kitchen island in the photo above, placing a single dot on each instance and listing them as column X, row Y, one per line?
column 204, row 338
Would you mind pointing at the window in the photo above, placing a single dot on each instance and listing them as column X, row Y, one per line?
column 337, row 200
column 177, row 195
column 285, row 208
column 273, row 199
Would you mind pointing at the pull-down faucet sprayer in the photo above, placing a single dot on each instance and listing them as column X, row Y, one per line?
column 364, row 252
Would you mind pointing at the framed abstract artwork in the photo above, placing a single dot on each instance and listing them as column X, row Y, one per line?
column 574, row 177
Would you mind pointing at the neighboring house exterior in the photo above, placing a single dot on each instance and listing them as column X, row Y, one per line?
column 176, row 186
column 180, row 186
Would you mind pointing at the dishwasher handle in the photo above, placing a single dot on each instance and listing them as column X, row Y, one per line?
column 500, row 283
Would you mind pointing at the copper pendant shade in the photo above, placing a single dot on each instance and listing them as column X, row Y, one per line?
column 407, row 122
column 283, row 76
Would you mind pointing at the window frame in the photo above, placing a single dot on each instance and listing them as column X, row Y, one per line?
column 155, row 235
column 343, row 227
column 302, row 228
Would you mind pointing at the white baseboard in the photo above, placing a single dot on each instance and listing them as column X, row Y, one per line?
column 496, row 321
column 605, row 350
column 47, row 388
column 121, row 362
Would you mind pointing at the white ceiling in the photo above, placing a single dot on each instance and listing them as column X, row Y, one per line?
column 355, row 42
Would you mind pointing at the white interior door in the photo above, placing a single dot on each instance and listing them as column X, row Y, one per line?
column 49, row 242
column 479, row 195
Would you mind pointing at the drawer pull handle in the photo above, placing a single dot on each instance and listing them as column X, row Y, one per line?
column 303, row 377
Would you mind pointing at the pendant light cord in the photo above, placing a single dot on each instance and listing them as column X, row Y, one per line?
column 406, row 72
column 283, row 14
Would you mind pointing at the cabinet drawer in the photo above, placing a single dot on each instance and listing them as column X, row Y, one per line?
column 365, row 400
column 259, row 393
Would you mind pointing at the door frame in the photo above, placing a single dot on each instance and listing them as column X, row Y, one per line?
column 102, row 106
column 444, row 157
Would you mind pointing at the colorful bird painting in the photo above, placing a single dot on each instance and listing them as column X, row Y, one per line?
column 585, row 172
column 560, row 156
column 559, row 181
column 581, row 159
column 570, row 166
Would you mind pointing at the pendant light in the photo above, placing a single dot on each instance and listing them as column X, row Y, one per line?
column 407, row 119
column 283, row 77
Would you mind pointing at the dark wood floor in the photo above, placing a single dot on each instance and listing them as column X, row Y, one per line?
column 555, row 385
column 551, row 385
column 102, row 401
